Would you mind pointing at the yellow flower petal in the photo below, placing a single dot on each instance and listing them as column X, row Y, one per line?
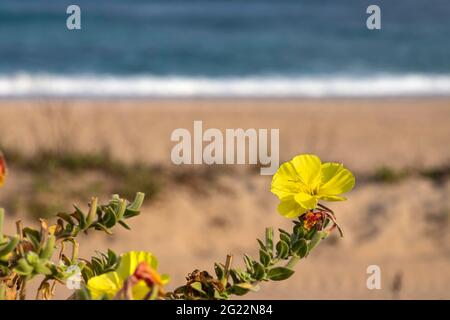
column 301, row 182
column 130, row 261
column 105, row 285
column 108, row 284
column 305, row 200
column 290, row 208
column 336, row 180
column 332, row 198
column 283, row 182
column 140, row 290
column 329, row 170
column 308, row 167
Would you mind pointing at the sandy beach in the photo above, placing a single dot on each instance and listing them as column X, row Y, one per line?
column 363, row 134
column 397, row 217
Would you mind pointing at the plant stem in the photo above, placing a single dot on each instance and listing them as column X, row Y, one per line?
column 292, row 262
column 228, row 266
column 19, row 228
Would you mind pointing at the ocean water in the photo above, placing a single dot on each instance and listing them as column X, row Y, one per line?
column 182, row 48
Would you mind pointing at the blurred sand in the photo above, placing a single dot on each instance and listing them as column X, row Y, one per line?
column 361, row 133
column 402, row 227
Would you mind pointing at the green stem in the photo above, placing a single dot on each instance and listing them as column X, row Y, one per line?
column 75, row 248
column 269, row 240
column 227, row 268
column 292, row 262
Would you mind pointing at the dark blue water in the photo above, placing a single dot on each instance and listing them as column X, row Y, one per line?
column 225, row 37
column 224, row 47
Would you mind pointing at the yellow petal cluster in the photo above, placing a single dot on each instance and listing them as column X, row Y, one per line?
column 303, row 181
column 108, row 284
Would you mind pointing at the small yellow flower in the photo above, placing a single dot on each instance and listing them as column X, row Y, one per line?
column 2, row 170
column 142, row 265
column 303, row 181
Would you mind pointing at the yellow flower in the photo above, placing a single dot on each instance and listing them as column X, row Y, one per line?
column 134, row 263
column 303, row 181
column 2, row 169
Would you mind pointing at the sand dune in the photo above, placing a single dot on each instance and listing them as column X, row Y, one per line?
column 403, row 226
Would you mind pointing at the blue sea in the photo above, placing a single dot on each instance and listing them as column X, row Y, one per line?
column 224, row 48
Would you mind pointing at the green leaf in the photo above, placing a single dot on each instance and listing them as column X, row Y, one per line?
column 115, row 199
column 92, row 211
column 67, row 217
column 284, row 232
column 259, row 271
column 282, row 249
column 33, row 235
column 261, row 245
column 48, row 249
column 83, row 294
column 235, row 276
column 110, row 218
column 280, row 273
column 32, row 258
column 220, row 272
column 100, row 226
column 130, row 213
column 269, row 240
column 87, row 273
column 243, row 288
column 123, row 224
column 220, row 296
column 112, row 257
column 97, row 265
column 237, row 290
column 79, row 215
column 264, row 258
column 310, row 234
column 299, row 231
column 137, row 203
column 120, row 211
column 245, row 285
column 197, row 286
column 248, row 263
column 300, row 248
column 23, row 268
column 293, row 238
column 10, row 246
column 285, row 237
column 42, row 269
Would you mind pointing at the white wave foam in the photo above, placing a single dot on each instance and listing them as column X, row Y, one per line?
column 27, row 85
